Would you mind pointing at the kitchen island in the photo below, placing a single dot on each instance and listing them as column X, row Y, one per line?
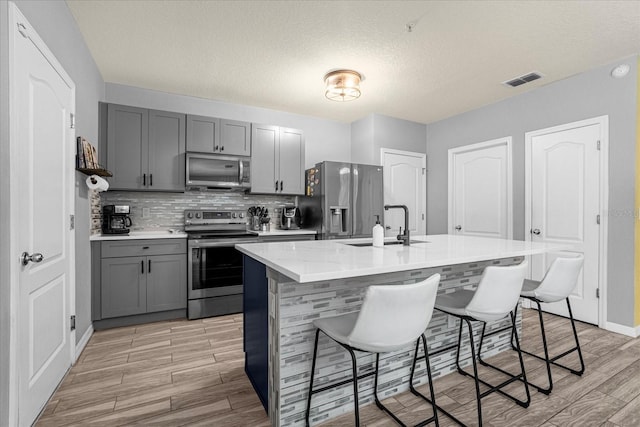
column 288, row 285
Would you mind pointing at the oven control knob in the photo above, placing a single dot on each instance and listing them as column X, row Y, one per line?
column 241, row 214
column 198, row 215
column 190, row 215
column 233, row 215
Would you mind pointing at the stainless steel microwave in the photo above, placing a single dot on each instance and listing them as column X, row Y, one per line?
column 215, row 171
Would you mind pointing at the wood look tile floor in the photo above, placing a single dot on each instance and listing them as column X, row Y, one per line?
column 191, row 373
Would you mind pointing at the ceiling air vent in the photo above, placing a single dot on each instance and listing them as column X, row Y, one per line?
column 523, row 79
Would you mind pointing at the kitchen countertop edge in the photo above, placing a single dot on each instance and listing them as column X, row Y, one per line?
column 139, row 235
column 319, row 260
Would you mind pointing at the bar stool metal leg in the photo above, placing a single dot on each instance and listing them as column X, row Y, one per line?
column 553, row 360
column 522, row 376
column 313, row 371
column 430, row 378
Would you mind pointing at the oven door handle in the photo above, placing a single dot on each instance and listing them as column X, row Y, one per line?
column 194, row 244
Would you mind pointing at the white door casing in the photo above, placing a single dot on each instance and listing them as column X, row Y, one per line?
column 480, row 189
column 405, row 183
column 565, row 196
column 42, row 145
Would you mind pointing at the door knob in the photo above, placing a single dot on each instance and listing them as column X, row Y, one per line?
column 25, row 258
column 536, row 231
column 458, row 227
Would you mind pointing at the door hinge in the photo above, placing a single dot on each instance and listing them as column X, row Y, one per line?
column 72, row 124
column 423, row 217
column 424, row 170
column 72, row 222
column 597, row 292
column 22, row 29
column 598, row 146
column 73, row 322
column 598, row 219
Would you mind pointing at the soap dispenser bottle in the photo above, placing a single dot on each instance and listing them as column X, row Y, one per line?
column 378, row 233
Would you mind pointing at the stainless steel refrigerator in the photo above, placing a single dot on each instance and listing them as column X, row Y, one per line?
column 342, row 199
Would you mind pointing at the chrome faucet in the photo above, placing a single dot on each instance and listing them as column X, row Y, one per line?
column 404, row 237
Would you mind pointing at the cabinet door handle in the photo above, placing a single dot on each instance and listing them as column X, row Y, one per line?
column 216, row 148
column 144, row 179
column 276, row 185
column 149, row 266
column 281, row 185
column 150, row 179
column 222, row 148
column 145, row 247
column 142, row 267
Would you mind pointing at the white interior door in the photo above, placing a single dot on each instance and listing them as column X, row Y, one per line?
column 405, row 183
column 480, row 190
column 563, row 205
column 42, row 103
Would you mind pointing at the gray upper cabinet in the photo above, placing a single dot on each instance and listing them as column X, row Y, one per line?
column 291, row 161
column 127, row 146
column 277, row 160
column 235, row 137
column 218, row 136
column 166, row 151
column 264, row 159
column 145, row 149
column 203, row 134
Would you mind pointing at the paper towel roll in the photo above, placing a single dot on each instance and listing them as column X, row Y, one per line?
column 94, row 182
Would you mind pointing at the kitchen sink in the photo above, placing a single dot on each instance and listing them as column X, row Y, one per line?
column 392, row 242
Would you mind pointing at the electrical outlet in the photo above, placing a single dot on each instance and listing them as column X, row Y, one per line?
column 451, row 321
column 146, row 213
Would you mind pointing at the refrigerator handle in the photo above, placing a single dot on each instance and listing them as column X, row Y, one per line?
column 354, row 199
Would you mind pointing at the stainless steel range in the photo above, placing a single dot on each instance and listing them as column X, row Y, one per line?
column 215, row 267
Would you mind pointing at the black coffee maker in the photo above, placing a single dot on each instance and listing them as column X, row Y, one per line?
column 115, row 219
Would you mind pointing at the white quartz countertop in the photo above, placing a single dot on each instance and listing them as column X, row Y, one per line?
column 278, row 232
column 138, row 235
column 310, row 261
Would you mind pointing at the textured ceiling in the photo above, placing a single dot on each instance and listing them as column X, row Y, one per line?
column 274, row 54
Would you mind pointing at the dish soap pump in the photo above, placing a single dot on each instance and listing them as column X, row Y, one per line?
column 378, row 234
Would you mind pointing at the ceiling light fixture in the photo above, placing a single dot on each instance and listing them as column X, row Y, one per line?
column 343, row 85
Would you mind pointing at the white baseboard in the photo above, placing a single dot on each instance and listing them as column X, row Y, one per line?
column 83, row 342
column 629, row 331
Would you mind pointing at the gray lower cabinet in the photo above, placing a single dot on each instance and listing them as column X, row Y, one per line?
column 139, row 277
column 166, row 282
column 124, row 286
column 145, row 149
column 277, row 160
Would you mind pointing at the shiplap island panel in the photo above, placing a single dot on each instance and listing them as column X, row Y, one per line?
column 290, row 284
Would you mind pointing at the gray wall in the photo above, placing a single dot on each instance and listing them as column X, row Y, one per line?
column 590, row 94
column 324, row 139
column 362, row 141
column 376, row 131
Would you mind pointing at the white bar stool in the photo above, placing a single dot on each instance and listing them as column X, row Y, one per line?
column 494, row 299
column 557, row 284
column 391, row 317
